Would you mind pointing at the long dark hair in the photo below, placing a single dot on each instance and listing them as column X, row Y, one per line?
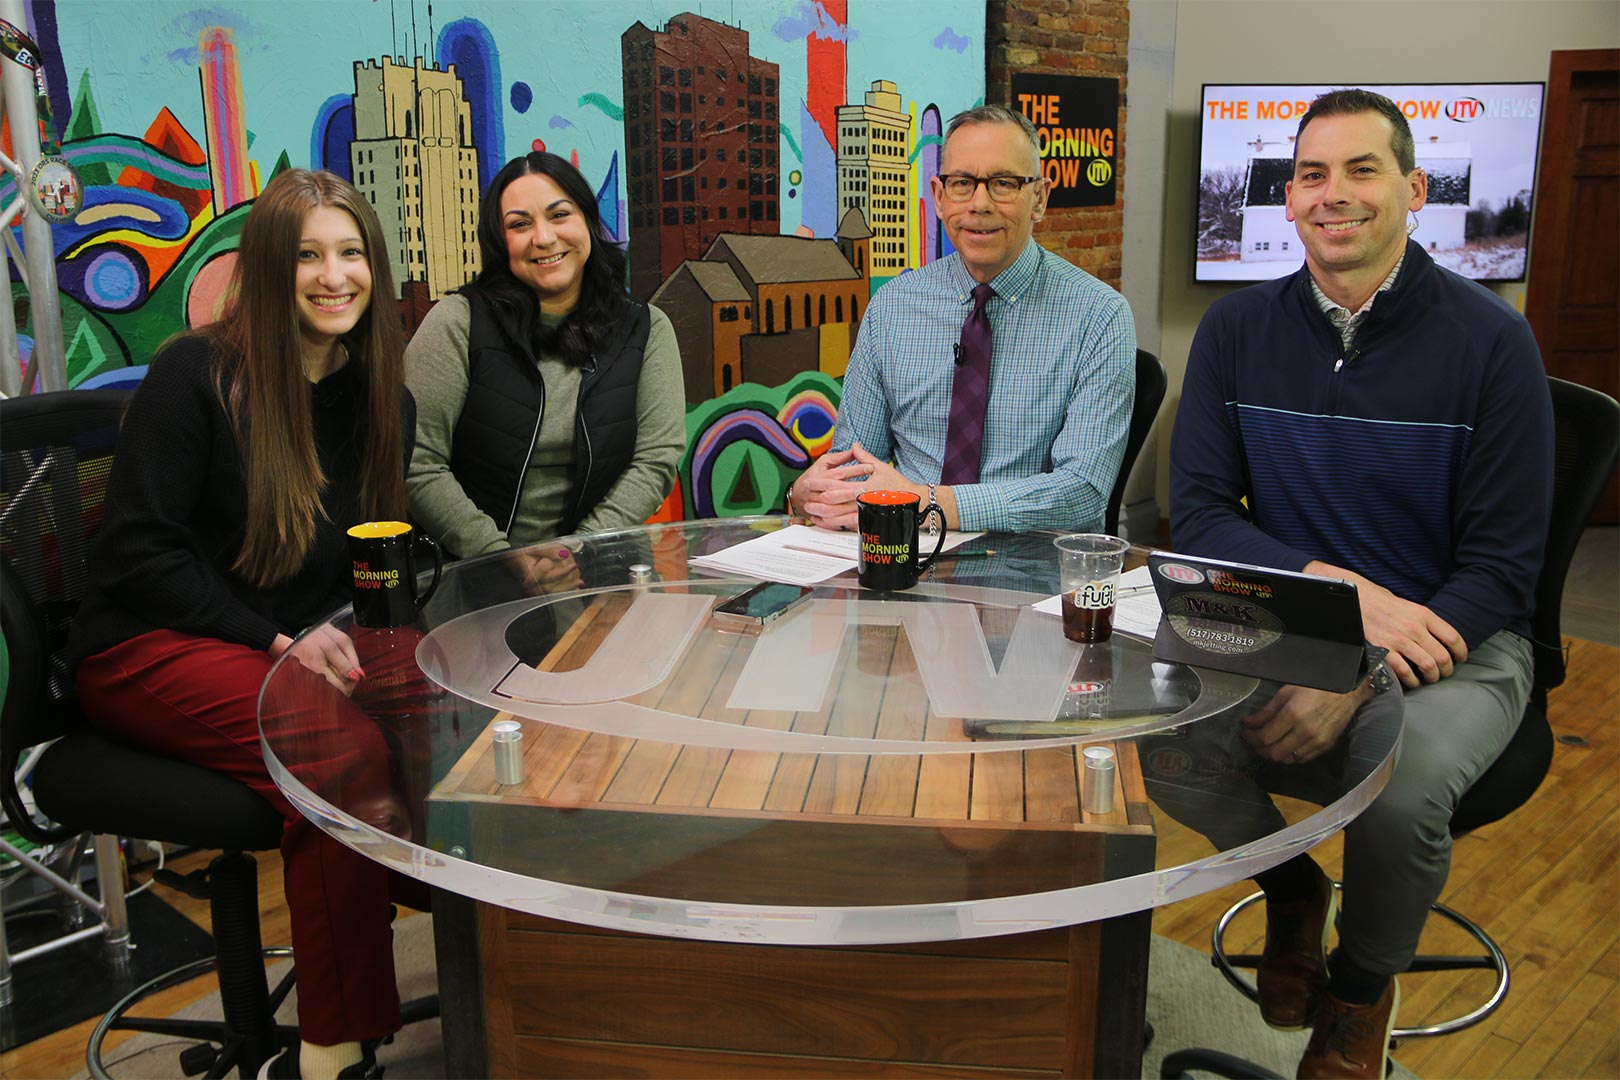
column 517, row 310
column 261, row 377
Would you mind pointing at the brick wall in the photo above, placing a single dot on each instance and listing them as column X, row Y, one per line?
column 1066, row 37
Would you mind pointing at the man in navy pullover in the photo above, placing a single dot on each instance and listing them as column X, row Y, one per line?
column 1378, row 418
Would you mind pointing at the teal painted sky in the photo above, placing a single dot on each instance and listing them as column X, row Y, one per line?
column 295, row 54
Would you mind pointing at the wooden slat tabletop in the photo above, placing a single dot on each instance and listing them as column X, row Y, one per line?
column 876, row 692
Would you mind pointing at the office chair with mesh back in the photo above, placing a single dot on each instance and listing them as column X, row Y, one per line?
column 1150, row 387
column 27, row 669
column 1587, row 427
column 55, row 454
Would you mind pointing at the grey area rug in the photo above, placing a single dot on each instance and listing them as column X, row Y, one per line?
column 1189, row 1004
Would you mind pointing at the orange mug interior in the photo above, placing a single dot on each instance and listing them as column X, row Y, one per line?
column 887, row 498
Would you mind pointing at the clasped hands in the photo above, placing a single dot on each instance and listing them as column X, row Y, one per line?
column 827, row 490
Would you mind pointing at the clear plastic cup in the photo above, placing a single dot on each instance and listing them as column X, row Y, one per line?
column 1088, row 573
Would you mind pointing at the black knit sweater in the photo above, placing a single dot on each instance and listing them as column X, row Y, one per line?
column 176, row 502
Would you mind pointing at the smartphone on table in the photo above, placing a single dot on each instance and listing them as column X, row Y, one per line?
column 761, row 604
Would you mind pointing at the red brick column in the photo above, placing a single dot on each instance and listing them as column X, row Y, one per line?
column 1066, row 37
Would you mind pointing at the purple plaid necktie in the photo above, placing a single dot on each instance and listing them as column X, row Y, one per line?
column 970, row 392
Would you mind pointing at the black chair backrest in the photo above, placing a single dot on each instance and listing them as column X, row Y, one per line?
column 1151, row 383
column 56, row 451
column 55, row 456
column 1587, row 423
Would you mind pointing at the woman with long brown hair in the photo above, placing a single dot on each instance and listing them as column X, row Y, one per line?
column 249, row 449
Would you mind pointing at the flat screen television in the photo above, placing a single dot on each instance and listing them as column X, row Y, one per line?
column 1477, row 142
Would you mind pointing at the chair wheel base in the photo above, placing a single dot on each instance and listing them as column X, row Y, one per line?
column 217, row 1050
column 195, row 1060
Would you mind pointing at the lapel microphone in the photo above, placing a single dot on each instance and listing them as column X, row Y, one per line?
column 956, row 350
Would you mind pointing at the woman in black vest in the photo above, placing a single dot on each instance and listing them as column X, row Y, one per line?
column 548, row 402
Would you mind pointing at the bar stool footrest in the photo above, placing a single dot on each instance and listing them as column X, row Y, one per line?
column 1491, row 960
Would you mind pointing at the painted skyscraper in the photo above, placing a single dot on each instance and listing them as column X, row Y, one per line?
column 229, row 170
column 928, row 224
column 414, row 161
column 700, row 139
column 873, row 143
column 825, row 69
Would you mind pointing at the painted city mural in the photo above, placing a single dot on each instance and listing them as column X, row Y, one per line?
column 764, row 162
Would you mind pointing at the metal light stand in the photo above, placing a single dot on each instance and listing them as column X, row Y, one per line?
column 110, row 910
column 37, row 260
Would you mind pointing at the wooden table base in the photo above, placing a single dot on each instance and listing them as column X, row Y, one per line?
column 657, row 819
column 563, row 1000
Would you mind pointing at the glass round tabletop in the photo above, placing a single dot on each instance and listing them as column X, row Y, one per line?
column 586, row 738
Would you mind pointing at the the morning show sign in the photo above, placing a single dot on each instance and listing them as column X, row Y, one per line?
column 1076, row 120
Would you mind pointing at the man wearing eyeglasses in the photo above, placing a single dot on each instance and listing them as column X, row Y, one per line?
column 996, row 381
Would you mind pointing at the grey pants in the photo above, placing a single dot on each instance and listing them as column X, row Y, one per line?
column 1398, row 852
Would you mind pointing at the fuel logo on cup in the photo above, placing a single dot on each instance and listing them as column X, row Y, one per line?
column 1096, row 594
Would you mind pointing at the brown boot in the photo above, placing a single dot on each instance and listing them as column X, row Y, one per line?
column 1293, row 969
column 1352, row 1040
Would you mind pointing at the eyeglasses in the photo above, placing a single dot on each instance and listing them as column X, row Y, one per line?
column 960, row 187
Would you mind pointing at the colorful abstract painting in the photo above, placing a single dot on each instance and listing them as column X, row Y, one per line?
column 764, row 162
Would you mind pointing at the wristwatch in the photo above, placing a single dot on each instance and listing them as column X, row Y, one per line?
column 1380, row 680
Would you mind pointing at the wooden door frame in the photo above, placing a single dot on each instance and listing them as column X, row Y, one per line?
column 1556, row 236
column 1552, row 215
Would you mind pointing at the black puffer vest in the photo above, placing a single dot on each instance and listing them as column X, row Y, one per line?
column 500, row 420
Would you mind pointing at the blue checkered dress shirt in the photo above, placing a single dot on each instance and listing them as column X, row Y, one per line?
column 1062, row 379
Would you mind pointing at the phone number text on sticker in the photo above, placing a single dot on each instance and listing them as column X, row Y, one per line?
column 1221, row 637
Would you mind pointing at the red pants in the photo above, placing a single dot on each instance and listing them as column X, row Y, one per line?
column 196, row 699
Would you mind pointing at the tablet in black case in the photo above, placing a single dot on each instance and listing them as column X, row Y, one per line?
column 1253, row 620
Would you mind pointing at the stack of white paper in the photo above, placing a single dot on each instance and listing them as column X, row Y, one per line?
column 799, row 554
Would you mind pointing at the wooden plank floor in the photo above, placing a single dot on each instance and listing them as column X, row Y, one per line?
column 1545, row 882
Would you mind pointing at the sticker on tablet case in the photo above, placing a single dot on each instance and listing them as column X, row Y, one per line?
column 1222, row 624
column 1180, row 572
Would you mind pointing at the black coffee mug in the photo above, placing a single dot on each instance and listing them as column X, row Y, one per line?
column 384, row 557
column 890, row 522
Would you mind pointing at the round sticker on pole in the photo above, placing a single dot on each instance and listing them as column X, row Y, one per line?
column 54, row 190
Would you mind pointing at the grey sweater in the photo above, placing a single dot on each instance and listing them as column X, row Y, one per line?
column 436, row 370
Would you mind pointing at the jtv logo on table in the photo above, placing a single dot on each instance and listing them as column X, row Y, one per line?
column 791, row 668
